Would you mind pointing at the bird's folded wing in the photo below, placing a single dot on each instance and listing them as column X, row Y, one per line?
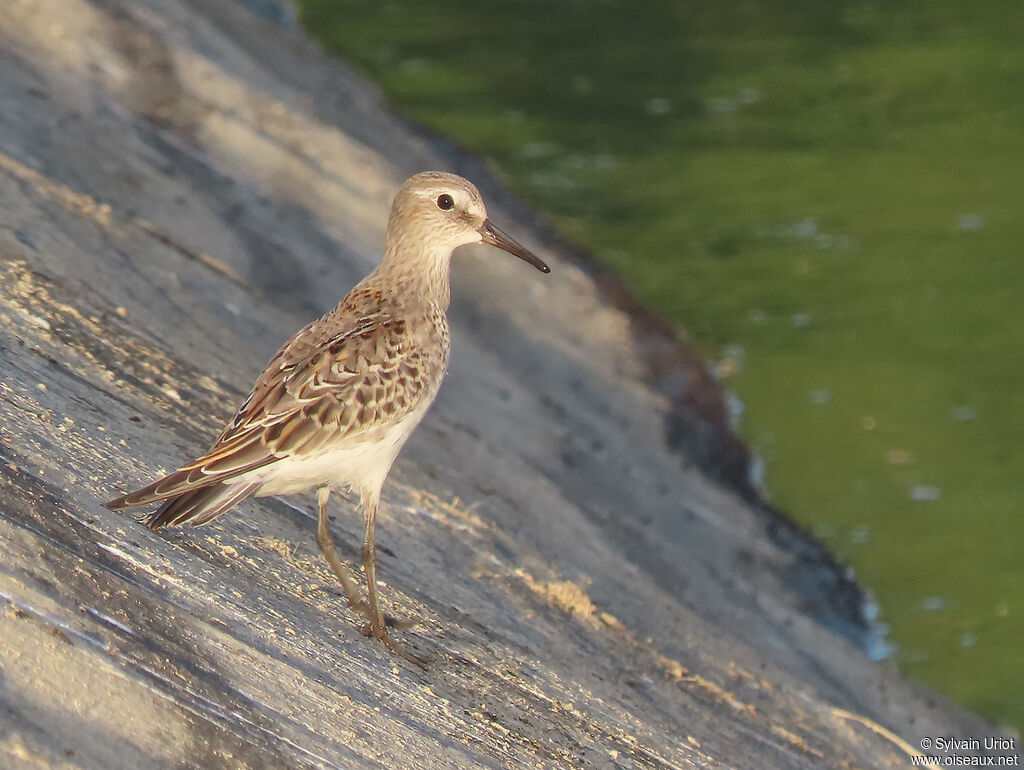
column 323, row 386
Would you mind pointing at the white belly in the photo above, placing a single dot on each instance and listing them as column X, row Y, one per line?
column 361, row 463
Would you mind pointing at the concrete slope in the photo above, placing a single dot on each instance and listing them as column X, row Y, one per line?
column 182, row 186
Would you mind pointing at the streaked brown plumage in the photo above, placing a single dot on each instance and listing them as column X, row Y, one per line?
column 339, row 399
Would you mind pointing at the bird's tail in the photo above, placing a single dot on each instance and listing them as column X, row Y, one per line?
column 199, row 507
column 202, row 489
column 195, row 506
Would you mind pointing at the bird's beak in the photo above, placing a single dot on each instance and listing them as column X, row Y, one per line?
column 495, row 237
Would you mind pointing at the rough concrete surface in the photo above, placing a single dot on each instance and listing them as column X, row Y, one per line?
column 182, row 185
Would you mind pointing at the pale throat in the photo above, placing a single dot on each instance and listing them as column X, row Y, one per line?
column 421, row 270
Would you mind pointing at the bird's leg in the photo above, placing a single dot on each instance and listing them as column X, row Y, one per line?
column 377, row 627
column 326, row 543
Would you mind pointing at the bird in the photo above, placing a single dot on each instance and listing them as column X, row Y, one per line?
column 337, row 402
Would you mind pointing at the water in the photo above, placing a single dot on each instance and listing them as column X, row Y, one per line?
column 828, row 198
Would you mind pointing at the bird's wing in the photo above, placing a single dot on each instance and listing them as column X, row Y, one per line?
column 331, row 381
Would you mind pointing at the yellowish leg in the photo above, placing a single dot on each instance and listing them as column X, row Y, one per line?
column 377, row 626
column 326, row 543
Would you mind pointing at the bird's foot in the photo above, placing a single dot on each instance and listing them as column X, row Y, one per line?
column 380, row 633
column 361, row 606
column 378, row 628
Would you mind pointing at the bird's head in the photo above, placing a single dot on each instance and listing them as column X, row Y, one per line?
column 435, row 211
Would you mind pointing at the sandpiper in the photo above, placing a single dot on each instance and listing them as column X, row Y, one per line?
column 337, row 402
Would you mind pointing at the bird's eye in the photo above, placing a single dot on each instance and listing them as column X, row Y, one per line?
column 445, row 202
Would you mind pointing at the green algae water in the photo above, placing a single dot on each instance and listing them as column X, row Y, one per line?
column 829, row 199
